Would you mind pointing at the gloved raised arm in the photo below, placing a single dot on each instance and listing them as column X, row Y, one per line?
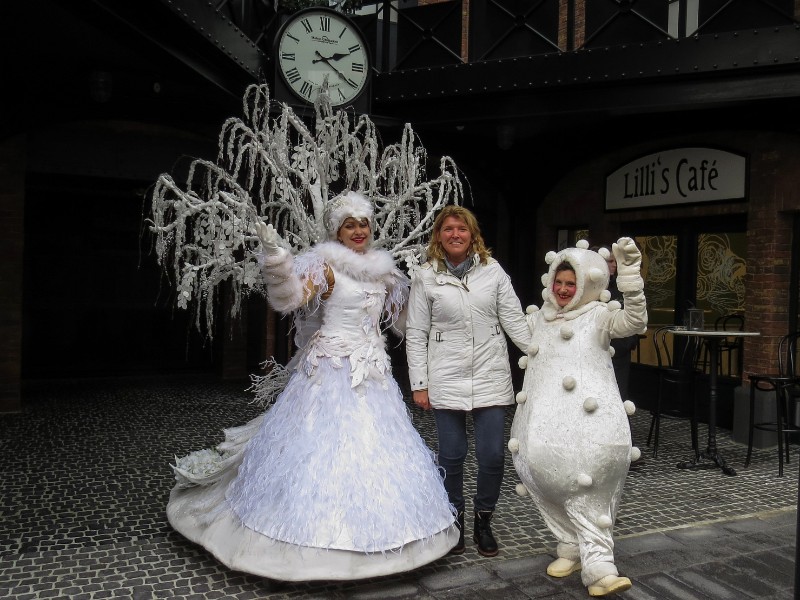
column 629, row 263
column 285, row 290
column 633, row 318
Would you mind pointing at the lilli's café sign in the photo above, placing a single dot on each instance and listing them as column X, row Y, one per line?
column 678, row 176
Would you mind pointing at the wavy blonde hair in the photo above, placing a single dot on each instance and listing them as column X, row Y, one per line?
column 435, row 249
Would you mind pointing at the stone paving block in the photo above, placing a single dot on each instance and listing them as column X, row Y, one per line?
column 695, row 535
column 521, row 567
column 645, row 543
column 785, row 517
column 741, row 580
column 639, row 591
column 665, row 587
column 501, row 589
column 745, row 525
column 713, row 588
column 455, row 579
column 780, row 561
column 379, row 591
column 785, row 595
column 540, row 585
column 658, row 561
column 763, row 572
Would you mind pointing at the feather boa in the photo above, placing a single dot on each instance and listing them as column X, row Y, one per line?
column 372, row 265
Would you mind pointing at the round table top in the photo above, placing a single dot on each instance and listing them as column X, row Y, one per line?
column 713, row 333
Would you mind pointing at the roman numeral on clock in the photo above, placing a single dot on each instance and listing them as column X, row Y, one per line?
column 325, row 23
column 306, row 89
column 293, row 75
column 357, row 67
column 288, row 55
column 307, row 26
column 355, row 48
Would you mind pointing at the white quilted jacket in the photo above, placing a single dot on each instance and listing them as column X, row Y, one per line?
column 455, row 338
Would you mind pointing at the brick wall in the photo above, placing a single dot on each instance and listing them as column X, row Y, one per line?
column 773, row 199
column 12, row 205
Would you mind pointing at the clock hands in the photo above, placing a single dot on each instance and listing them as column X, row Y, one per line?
column 335, row 70
column 337, row 56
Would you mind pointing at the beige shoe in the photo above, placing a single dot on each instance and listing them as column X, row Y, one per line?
column 561, row 567
column 610, row 584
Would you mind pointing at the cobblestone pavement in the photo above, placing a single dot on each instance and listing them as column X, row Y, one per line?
column 86, row 480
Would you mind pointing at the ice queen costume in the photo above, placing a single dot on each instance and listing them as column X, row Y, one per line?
column 570, row 438
column 332, row 482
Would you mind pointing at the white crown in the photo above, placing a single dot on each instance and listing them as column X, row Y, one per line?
column 350, row 204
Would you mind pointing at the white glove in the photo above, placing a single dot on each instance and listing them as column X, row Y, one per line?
column 269, row 239
column 629, row 263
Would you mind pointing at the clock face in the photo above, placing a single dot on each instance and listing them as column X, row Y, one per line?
column 318, row 43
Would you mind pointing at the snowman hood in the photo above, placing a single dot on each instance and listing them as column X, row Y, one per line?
column 591, row 277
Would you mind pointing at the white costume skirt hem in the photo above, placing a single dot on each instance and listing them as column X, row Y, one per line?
column 243, row 549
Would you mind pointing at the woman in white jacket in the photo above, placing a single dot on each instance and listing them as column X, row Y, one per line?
column 461, row 306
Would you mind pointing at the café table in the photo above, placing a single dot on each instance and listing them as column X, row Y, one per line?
column 711, row 458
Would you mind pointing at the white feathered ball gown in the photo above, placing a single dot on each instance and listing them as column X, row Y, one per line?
column 332, row 482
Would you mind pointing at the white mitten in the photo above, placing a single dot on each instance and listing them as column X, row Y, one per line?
column 629, row 262
column 284, row 288
column 270, row 240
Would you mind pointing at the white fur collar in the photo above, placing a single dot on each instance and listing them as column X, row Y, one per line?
column 551, row 311
column 373, row 265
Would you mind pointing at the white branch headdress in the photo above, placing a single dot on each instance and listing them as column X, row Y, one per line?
column 281, row 172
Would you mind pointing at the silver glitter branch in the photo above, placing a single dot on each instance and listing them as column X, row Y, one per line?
column 278, row 170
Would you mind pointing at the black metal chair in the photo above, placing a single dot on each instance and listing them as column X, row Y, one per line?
column 728, row 348
column 786, row 385
column 677, row 376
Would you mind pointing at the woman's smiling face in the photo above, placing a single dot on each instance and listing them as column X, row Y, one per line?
column 355, row 234
column 456, row 239
column 564, row 287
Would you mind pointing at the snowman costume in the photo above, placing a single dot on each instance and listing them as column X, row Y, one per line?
column 332, row 482
column 570, row 437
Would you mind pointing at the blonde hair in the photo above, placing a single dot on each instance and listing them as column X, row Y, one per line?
column 435, row 249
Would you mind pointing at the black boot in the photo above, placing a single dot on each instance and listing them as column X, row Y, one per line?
column 487, row 545
column 459, row 547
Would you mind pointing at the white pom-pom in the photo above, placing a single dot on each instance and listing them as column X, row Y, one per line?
column 596, row 274
column 523, row 362
column 636, row 454
column 630, row 407
column 521, row 397
column 584, row 480
column 605, row 296
column 590, row 404
column 605, row 253
column 545, row 294
column 533, row 349
column 568, row 383
column 544, row 279
column 612, row 351
column 604, row 522
column 550, row 257
column 513, row 445
column 614, row 305
column 521, row 490
column 582, row 244
column 567, row 332
column 531, row 308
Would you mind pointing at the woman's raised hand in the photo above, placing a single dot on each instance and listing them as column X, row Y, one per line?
column 270, row 240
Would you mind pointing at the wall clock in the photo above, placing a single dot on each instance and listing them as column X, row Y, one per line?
column 319, row 42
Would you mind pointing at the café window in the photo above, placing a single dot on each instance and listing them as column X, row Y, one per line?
column 695, row 268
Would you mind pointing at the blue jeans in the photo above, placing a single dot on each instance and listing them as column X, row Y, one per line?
column 451, row 426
